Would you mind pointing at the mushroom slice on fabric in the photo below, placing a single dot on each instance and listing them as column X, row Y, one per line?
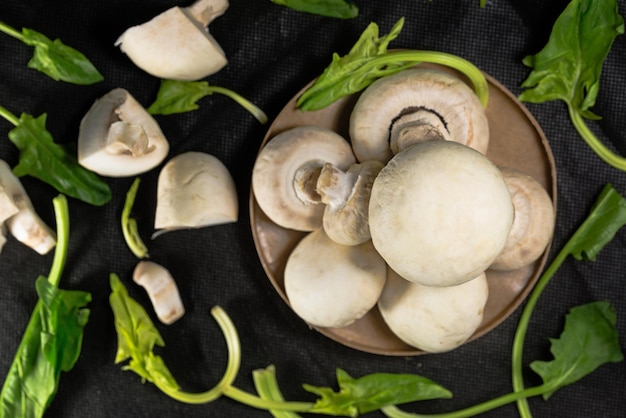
column 333, row 285
column 433, row 319
column 162, row 290
column 119, row 138
column 412, row 106
column 346, row 195
column 440, row 213
column 176, row 44
column 284, row 177
column 20, row 217
column 194, row 190
column 533, row 224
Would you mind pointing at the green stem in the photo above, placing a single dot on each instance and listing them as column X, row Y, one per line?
column 129, row 225
column 267, row 387
column 61, row 214
column 594, row 143
column 246, row 104
column 10, row 117
column 267, row 404
column 10, row 31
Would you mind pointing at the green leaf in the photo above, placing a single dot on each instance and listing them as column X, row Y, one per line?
column 341, row 9
column 588, row 341
column 42, row 158
column 374, row 391
column 59, row 61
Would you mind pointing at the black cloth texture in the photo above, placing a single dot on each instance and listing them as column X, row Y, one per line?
column 273, row 52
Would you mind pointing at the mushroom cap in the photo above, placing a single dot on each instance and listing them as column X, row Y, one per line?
column 440, row 213
column 119, row 138
column 533, row 223
column 173, row 45
column 278, row 168
column 332, row 285
column 390, row 100
column 433, row 319
column 195, row 190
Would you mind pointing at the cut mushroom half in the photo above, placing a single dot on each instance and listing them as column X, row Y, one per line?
column 533, row 224
column 162, row 290
column 119, row 138
column 331, row 285
column 194, row 190
column 285, row 174
column 176, row 44
column 416, row 105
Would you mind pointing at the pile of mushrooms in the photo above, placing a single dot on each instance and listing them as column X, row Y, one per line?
column 407, row 215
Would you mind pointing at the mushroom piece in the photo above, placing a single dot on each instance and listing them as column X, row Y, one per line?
column 346, row 195
column 440, row 213
column 176, row 44
column 433, row 319
column 19, row 216
column 285, row 174
column 161, row 289
column 194, row 190
column 533, row 223
column 412, row 106
column 119, row 138
column 333, row 285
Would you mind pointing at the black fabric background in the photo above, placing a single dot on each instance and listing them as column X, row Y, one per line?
column 273, row 52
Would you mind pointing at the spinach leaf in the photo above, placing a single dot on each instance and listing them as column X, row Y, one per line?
column 55, row 59
column 342, row 9
column 42, row 158
column 588, row 341
column 568, row 68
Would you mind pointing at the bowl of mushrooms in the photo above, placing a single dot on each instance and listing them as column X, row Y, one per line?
column 406, row 219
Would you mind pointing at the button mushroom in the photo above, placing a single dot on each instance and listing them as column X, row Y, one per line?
column 194, row 190
column 284, row 177
column 533, row 223
column 176, row 44
column 416, row 105
column 440, row 213
column 119, row 138
column 433, row 319
column 161, row 289
column 333, row 285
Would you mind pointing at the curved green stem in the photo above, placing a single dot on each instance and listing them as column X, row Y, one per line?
column 594, row 143
column 246, row 104
column 10, row 31
column 62, row 218
column 129, row 225
column 266, row 385
column 10, row 117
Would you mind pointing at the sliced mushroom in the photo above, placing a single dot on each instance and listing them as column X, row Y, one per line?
column 176, row 44
column 440, row 213
column 333, row 285
column 284, row 177
column 346, row 195
column 162, row 290
column 195, row 190
column 119, row 138
column 433, row 319
column 533, row 224
column 412, row 106
column 21, row 220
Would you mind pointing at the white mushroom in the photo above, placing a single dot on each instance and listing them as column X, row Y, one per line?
column 161, row 289
column 119, row 138
column 284, row 177
column 433, row 319
column 176, row 44
column 19, row 216
column 412, row 106
column 346, row 195
column 195, row 190
column 440, row 213
column 333, row 285
column 533, row 224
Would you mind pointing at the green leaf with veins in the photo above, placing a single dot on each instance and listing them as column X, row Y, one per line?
column 341, row 9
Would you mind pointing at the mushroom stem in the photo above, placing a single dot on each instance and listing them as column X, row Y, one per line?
column 305, row 183
column 334, row 185
column 417, row 126
column 162, row 290
column 205, row 11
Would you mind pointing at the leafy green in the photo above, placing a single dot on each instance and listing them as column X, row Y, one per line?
column 55, row 59
column 52, row 341
column 568, row 68
column 587, row 342
column 129, row 225
column 341, row 9
column 42, row 158
column 176, row 96
column 369, row 60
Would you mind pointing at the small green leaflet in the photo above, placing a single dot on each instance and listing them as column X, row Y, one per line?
column 42, row 158
column 374, row 391
column 341, row 9
column 588, row 341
